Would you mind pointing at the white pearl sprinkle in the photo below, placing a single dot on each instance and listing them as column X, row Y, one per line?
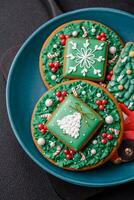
column 109, row 119
column 49, row 102
column 52, row 144
column 112, row 50
column 41, row 141
column 74, row 33
column 55, row 46
column 93, row 30
column 98, row 95
column 83, row 92
column 53, row 77
column 94, row 142
column 93, row 151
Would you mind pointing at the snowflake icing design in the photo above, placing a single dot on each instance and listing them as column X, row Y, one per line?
column 85, row 58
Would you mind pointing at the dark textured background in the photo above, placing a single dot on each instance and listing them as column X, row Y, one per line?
column 20, row 178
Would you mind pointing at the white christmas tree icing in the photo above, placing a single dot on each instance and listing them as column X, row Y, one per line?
column 85, row 58
column 70, row 124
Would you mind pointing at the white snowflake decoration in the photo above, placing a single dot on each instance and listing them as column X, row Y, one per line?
column 85, row 58
column 70, row 124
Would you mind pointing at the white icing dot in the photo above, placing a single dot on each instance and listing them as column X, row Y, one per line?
column 83, row 92
column 93, row 30
column 52, row 144
column 94, row 141
column 98, row 95
column 109, row 119
column 74, row 33
column 41, row 141
column 112, row 50
column 93, row 151
column 53, row 77
column 49, row 102
column 55, row 46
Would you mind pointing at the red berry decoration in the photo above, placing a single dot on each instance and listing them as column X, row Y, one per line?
column 61, row 99
column 104, row 101
column 109, row 136
column 103, row 141
column 58, row 93
column 101, row 107
column 72, row 151
column 40, row 126
column 63, row 93
column 67, row 36
column 104, row 135
column 103, row 39
column 51, row 64
column 61, row 36
column 66, row 151
column 56, row 64
column 68, row 156
column 43, row 131
column 63, row 42
column 102, row 34
column 108, row 77
column 98, row 37
column 53, row 69
column 98, row 102
column 111, row 72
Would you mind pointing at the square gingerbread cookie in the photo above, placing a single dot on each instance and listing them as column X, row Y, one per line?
column 74, row 123
column 85, row 58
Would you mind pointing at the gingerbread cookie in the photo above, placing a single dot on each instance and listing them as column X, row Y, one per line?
column 77, row 125
column 88, row 61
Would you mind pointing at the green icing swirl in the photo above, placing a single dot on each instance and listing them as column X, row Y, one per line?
column 102, row 150
column 111, row 37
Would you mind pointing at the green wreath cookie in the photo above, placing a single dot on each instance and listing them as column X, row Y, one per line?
column 85, row 49
column 77, row 125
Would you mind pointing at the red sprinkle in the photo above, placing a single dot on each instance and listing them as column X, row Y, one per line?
column 72, row 151
column 40, row 126
column 104, row 101
column 63, row 42
column 98, row 102
column 51, row 64
column 104, row 135
column 58, row 93
column 103, row 141
column 43, row 131
column 101, row 107
column 111, row 72
column 53, row 69
column 61, row 99
column 63, row 93
column 102, row 34
column 103, row 39
column 109, row 136
column 108, row 77
column 98, row 37
column 56, row 64
column 66, row 151
column 67, row 36
column 61, row 36
column 68, row 156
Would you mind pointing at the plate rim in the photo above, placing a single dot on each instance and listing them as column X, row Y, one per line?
column 76, row 182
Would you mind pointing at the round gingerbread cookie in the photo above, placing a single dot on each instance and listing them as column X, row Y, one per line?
column 77, row 125
column 93, row 60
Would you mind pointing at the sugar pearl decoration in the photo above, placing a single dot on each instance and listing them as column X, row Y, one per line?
column 94, row 142
column 109, row 119
column 55, row 46
column 93, row 151
column 98, row 95
column 49, row 102
column 112, row 50
column 41, row 141
column 93, row 30
column 120, row 87
column 83, row 92
column 74, row 33
column 53, row 77
column 129, row 71
column 52, row 144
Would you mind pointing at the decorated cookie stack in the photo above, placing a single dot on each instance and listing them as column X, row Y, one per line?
column 78, row 124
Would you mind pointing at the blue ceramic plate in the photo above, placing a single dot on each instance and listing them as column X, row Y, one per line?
column 24, row 87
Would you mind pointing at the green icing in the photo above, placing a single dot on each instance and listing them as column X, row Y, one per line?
column 123, row 75
column 78, row 118
column 85, row 58
column 87, row 93
column 111, row 38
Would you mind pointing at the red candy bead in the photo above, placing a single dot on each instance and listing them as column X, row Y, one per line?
column 56, row 64
column 111, row 72
column 66, row 151
column 108, row 77
column 43, row 131
column 63, row 42
column 103, row 39
column 53, row 69
column 104, row 135
column 102, row 34
column 51, row 64
column 101, row 107
column 67, row 36
column 103, row 141
column 72, row 151
column 61, row 99
column 98, row 37
column 63, row 93
column 98, row 102
column 40, row 126
column 109, row 136
column 68, row 156
column 58, row 93
column 61, row 36
column 104, row 101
